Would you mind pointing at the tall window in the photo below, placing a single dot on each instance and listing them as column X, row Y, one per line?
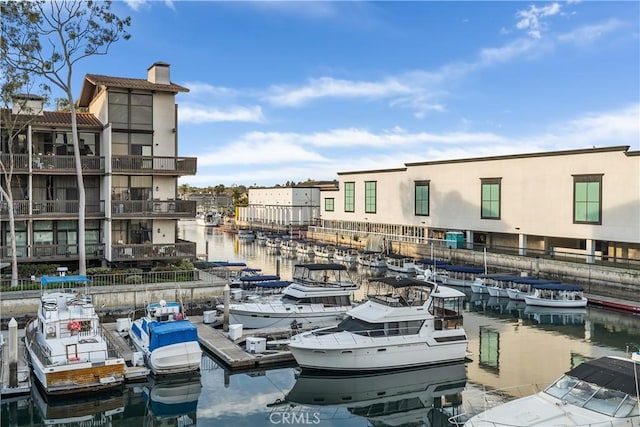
column 422, row 198
column 131, row 111
column 328, row 204
column 587, row 199
column 370, row 197
column 349, row 196
column 490, row 204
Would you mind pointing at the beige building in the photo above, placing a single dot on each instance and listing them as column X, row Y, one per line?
column 583, row 203
column 130, row 161
column 281, row 207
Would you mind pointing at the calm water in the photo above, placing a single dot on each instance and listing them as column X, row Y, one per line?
column 511, row 344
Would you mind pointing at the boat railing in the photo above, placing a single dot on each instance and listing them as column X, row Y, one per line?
column 371, row 333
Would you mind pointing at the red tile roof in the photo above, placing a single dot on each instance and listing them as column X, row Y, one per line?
column 91, row 81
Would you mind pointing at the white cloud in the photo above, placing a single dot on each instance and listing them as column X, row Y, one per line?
column 139, row 4
column 531, row 19
column 194, row 114
column 588, row 33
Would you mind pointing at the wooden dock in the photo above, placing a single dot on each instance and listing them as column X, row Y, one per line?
column 232, row 353
column 132, row 373
column 23, row 387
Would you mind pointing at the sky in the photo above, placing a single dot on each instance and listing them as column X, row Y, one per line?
column 289, row 91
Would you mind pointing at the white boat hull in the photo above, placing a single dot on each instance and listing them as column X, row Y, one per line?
column 564, row 303
column 175, row 358
column 497, row 292
column 349, row 352
column 279, row 316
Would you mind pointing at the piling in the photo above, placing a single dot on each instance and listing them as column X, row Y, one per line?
column 13, row 353
column 227, row 300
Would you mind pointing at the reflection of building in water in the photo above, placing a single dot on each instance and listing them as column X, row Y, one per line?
column 99, row 410
column 426, row 396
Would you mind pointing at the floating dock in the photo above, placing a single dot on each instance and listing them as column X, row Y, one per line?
column 132, row 373
column 23, row 386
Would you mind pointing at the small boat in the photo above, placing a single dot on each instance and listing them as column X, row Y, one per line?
column 246, row 235
column 249, row 277
column 556, row 295
column 304, row 248
column 324, row 250
column 457, row 275
column 478, row 286
column 520, row 287
column 372, row 259
column 168, row 341
column 288, row 247
column 404, row 323
column 272, row 243
column 319, row 295
column 394, row 398
column 400, row 264
column 210, row 219
column 600, row 392
column 68, row 352
column 345, row 254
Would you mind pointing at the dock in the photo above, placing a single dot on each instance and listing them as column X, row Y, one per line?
column 231, row 352
column 23, row 386
column 132, row 373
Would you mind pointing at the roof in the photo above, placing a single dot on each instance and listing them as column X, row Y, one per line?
column 611, row 372
column 91, row 81
column 63, row 119
column 52, row 280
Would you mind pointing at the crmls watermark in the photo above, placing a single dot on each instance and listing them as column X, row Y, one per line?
column 294, row 418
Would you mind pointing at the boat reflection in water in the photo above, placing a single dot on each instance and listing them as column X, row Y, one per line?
column 172, row 402
column 426, row 396
column 100, row 410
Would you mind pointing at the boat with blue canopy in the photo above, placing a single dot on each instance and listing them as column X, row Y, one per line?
column 556, row 295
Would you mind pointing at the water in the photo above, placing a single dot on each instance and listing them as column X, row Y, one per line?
column 512, row 345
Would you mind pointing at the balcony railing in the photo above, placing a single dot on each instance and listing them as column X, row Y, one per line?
column 158, row 165
column 154, row 208
column 48, row 163
column 129, row 252
column 50, row 252
column 51, row 208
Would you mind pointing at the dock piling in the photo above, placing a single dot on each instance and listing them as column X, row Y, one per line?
column 225, row 319
column 13, row 353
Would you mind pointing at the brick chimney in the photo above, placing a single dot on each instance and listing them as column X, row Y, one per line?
column 28, row 104
column 159, row 73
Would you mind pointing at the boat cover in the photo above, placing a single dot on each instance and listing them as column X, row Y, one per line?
column 400, row 281
column 461, row 268
column 321, row 266
column 260, row 278
column 215, row 264
column 273, row 284
column 51, row 280
column 609, row 372
column 167, row 333
column 554, row 286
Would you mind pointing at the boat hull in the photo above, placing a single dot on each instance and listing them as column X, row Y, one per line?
column 304, row 317
column 350, row 353
column 544, row 302
column 175, row 359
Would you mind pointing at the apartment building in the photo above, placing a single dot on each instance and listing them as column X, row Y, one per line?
column 584, row 202
column 129, row 154
column 282, row 207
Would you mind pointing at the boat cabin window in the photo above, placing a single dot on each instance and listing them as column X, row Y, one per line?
column 590, row 396
column 360, row 327
column 448, row 312
column 328, row 301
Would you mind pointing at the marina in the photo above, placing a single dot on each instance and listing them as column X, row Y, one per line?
column 506, row 339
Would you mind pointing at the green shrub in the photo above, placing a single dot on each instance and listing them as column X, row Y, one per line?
column 133, row 280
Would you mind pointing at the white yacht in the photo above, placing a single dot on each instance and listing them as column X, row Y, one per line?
column 400, row 264
column 67, row 349
column 319, row 296
column 406, row 322
column 556, row 295
column 600, row 392
column 345, row 254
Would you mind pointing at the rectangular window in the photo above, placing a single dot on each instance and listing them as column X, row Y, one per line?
column 370, row 197
column 587, row 199
column 422, row 198
column 349, row 196
column 490, row 204
column 328, row 204
column 131, row 111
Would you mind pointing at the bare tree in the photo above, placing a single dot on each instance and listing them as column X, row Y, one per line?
column 46, row 39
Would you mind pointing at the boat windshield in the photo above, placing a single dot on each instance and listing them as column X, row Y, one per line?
column 590, row 396
column 361, row 327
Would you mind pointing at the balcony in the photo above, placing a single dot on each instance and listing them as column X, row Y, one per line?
column 144, row 165
column 48, row 164
column 50, row 252
column 153, row 208
column 153, row 252
column 55, row 209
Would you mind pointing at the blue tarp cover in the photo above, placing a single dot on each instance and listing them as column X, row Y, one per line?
column 166, row 333
column 51, row 280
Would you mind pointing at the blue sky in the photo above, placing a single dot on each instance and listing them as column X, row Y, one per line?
column 286, row 91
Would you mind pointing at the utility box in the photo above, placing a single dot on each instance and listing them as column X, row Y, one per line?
column 123, row 324
column 256, row 345
column 208, row 317
column 455, row 239
column 235, row 331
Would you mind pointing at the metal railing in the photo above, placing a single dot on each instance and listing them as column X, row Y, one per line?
column 48, row 163
column 157, row 165
column 151, row 208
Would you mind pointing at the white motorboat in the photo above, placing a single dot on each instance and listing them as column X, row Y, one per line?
column 406, row 322
column 288, row 247
column 478, row 286
column 168, row 341
column 404, row 397
column 372, row 259
column 600, row 392
column 324, row 250
column 304, row 248
column 400, row 264
column 67, row 349
column 556, row 295
column 319, row 295
column 345, row 254
column 246, row 235
column 210, row 219
column 457, row 275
